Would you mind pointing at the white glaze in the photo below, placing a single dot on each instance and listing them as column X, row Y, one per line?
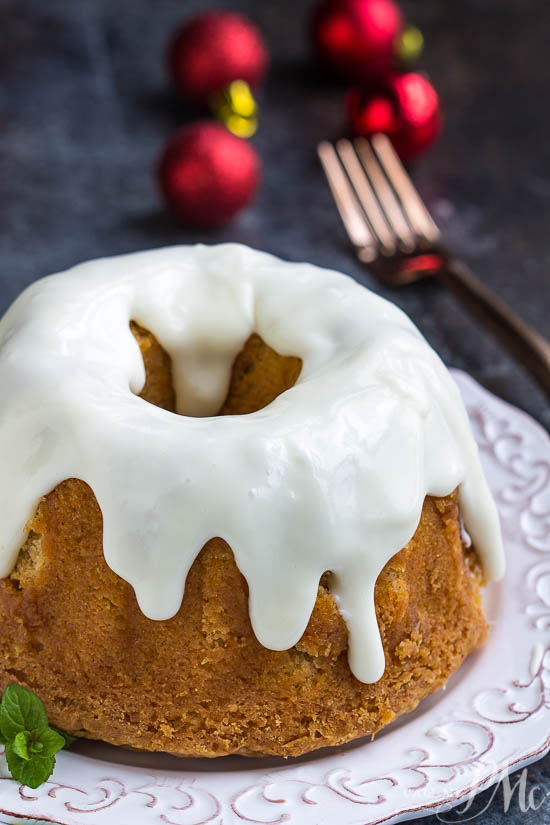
column 331, row 475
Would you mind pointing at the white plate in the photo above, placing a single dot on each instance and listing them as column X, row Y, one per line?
column 493, row 716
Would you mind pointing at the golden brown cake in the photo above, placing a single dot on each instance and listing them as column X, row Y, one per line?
column 200, row 683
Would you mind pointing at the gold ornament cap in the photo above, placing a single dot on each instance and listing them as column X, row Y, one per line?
column 236, row 107
column 409, row 45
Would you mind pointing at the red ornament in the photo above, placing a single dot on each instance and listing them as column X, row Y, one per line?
column 212, row 50
column 358, row 37
column 406, row 108
column 207, row 174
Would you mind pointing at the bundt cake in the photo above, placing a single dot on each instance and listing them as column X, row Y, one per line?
column 233, row 491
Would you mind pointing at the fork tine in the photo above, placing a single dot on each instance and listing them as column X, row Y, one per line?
column 385, row 194
column 346, row 202
column 366, row 196
column 413, row 205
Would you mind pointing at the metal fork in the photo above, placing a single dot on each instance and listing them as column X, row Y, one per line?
column 396, row 237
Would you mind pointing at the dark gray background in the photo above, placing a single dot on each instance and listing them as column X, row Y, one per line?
column 85, row 109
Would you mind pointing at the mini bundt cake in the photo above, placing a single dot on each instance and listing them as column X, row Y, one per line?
column 90, row 620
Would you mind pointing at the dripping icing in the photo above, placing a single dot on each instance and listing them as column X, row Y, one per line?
column 332, row 475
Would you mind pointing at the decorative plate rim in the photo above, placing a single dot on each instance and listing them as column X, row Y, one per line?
column 491, row 719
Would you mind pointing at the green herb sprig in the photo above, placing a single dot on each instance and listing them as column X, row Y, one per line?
column 30, row 743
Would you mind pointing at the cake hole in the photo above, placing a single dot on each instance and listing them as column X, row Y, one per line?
column 158, row 388
column 29, row 561
column 325, row 581
column 258, row 376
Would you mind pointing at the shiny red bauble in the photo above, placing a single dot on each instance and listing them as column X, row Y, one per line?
column 212, row 50
column 207, row 174
column 357, row 38
column 405, row 107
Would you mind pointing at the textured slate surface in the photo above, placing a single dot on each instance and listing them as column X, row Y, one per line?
column 85, row 109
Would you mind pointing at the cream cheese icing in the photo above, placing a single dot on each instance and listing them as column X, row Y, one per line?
column 331, row 476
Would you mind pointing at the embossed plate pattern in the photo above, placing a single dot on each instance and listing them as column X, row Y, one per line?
column 493, row 716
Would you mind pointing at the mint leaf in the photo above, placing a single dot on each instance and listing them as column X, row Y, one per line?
column 20, row 710
column 20, row 745
column 32, row 772
column 30, row 745
column 66, row 736
column 46, row 742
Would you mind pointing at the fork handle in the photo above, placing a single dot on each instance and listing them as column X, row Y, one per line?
column 521, row 340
